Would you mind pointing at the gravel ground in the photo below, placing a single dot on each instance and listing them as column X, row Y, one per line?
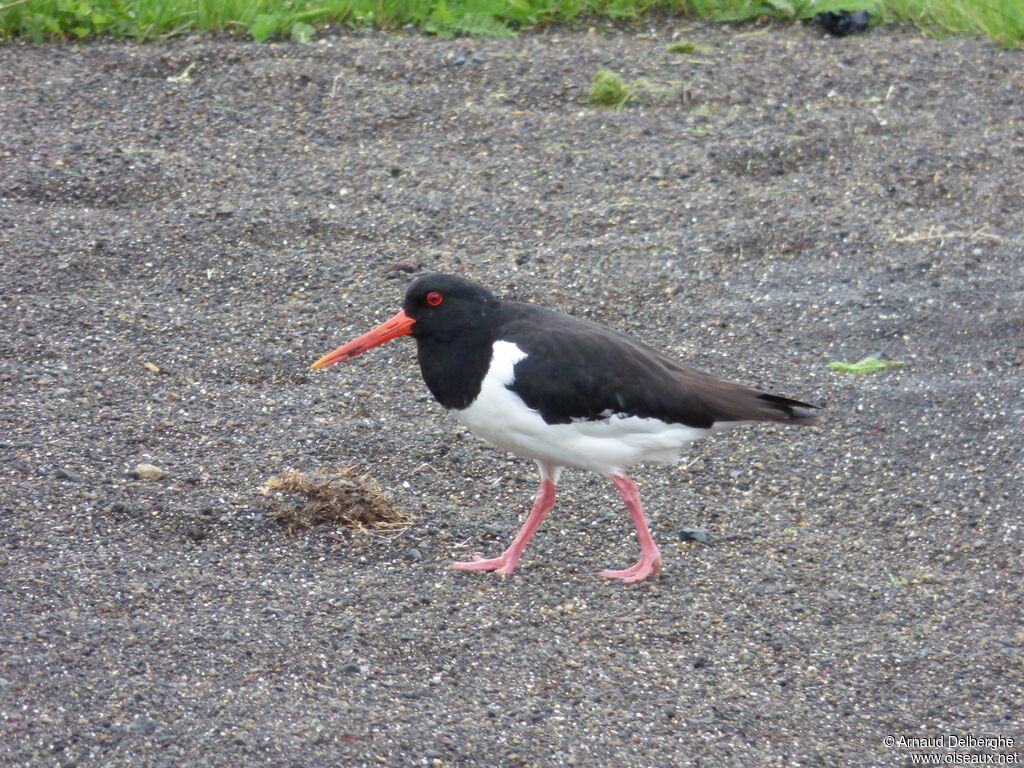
column 226, row 212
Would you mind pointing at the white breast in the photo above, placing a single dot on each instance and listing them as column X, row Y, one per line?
column 610, row 445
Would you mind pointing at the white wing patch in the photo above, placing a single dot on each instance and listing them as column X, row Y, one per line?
column 608, row 445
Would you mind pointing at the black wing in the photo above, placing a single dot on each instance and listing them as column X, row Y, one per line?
column 576, row 369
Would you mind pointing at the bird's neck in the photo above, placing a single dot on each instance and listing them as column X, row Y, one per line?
column 454, row 366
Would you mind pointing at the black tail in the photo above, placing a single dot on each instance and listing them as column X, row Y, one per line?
column 792, row 411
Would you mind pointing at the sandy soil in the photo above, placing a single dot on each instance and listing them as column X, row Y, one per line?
column 226, row 212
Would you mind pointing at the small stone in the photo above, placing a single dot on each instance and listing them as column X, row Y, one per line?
column 68, row 474
column 694, row 534
column 408, row 264
column 148, row 472
column 413, row 555
column 143, row 725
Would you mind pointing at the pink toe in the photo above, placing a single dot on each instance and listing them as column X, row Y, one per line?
column 503, row 565
column 632, row 575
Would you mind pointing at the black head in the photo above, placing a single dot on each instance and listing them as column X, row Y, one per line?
column 448, row 306
column 447, row 315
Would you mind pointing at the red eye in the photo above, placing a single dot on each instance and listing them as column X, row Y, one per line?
column 434, row 298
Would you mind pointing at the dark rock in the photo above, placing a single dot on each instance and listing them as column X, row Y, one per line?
column 694, row 534
column 843, row 23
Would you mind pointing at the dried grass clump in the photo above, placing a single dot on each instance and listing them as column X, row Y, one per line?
column 333, row 496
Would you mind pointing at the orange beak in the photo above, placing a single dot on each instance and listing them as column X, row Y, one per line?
column 399, row 325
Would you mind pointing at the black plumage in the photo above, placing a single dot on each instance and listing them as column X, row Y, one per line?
column 574, row 369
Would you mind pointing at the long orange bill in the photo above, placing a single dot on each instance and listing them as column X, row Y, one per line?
column 399, row 325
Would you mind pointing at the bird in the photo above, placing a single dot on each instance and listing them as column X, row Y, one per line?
column 565, row 392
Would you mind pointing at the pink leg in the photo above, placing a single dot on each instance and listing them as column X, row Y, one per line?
column 650, row 558
column 507, row 560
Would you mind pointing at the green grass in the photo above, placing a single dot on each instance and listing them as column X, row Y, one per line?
column 682, row 46
column 608, row 89
column 1002, row 20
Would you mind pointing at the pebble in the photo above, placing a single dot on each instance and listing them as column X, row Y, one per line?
column 148, row 472
column 143, row 725
column 694, row 534
column 404, row 265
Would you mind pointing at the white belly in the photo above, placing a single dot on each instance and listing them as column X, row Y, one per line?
column 610, row 445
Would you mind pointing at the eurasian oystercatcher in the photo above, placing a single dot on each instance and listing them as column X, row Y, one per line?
column 564, row 392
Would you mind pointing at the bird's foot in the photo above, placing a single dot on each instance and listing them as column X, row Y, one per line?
column 503, row 564
column 646, row 567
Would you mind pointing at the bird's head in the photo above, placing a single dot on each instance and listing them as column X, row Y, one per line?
column 436, row 305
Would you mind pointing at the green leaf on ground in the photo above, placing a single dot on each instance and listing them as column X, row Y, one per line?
column 867, row 365
column 263, row 26
column 302, row 32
